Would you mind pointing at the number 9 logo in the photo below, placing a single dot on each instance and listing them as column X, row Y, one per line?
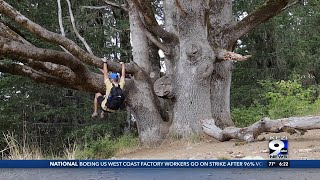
column 276, row 145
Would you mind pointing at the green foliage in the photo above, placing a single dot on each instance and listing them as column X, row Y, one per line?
column 98, row 149
column 281, row 99
column 287, row 44
column 127, row 141
column 282, row 77
column 105, row 147
column 287, row 98
column 102, row 139
column 245, row 116
column 96, row 129
column 45, row 118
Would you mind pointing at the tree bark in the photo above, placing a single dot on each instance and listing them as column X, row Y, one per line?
column 223, row 33
column 290, row 125
column 191, row 77
column 220, row 17
column 141, row 96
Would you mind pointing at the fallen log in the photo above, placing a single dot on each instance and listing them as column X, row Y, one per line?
column 290, row 125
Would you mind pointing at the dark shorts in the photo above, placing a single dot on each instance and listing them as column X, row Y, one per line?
column 100, row 99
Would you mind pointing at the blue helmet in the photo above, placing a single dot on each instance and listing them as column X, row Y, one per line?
column 113, row 76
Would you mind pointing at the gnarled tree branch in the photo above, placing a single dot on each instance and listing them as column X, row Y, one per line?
column 37, row 72
column 144, row 6
column 49, row 36
column 262, row 14
column 225, row 55
column 291, row 125
column 9, row 47
column 23, row 70
column 154, row 39
column 6, row 32
column 52, row 69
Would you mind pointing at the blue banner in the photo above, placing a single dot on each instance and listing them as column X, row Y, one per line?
column 159, row 163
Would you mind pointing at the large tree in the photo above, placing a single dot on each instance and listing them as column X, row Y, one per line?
column 197, row 40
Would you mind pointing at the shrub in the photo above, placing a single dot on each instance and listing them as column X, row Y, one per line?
column 287, row 98
column 105, row 147
column 99, row 149
column 280, row 99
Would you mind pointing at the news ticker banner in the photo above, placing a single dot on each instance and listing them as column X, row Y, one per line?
column 159, row 163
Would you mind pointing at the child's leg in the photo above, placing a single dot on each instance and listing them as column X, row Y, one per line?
column 95, row 105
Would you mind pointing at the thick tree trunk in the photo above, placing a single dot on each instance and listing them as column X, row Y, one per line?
column 171, row 26
column 192, row 72
column 220, row 17
column 145, row 111
column 220, row 93
column 141, row 97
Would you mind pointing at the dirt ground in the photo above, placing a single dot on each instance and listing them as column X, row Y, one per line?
column 300, row 147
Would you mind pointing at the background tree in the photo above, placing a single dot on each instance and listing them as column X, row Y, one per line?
column 280, row 51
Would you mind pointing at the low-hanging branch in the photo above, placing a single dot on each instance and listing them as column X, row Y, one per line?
column 24, row 70
column 52, row 69
column 290, row 125
column 58, row 39
column 45, row 34
column 49, row 36
column 36, row 71
column 10, row 40
column 12, row 43
column 71, row 46
column 6, row 32
column 8, row 47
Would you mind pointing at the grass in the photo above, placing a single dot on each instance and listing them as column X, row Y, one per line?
column 126, row 144
column 102, row 148
column 70, row 151
column 18, row 151
column 106, row 147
